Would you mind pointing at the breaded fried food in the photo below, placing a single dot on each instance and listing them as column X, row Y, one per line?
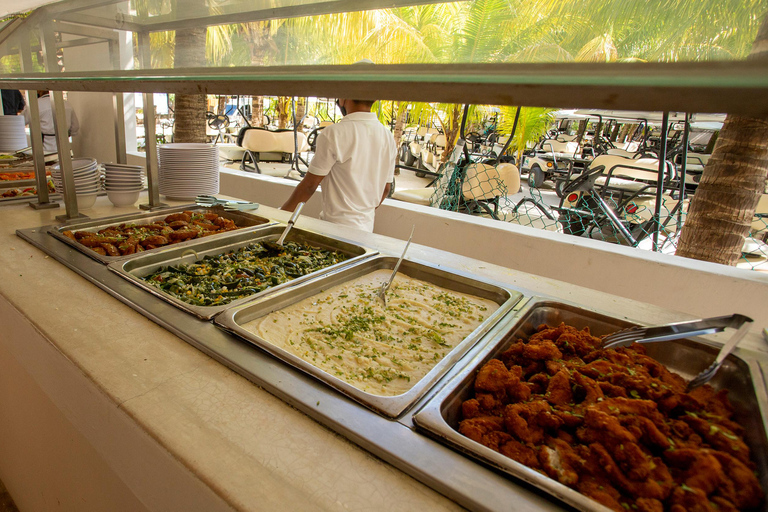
column 614, row 424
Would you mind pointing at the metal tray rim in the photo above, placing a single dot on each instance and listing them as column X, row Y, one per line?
column 390, row 406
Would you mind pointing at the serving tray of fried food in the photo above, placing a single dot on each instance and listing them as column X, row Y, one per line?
column 613, row 429
column 115, row 238
column 207, row 276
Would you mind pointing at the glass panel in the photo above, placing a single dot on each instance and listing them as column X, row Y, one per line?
column 311, row 32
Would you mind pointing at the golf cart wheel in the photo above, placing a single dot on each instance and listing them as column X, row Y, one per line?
column 559, row 187
column 420, row 165
column 403, row 152
column 392, row 187
column 409, row 158
column 536, row 177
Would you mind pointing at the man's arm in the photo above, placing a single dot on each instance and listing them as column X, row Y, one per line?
column 303, row 191
column 387, row 188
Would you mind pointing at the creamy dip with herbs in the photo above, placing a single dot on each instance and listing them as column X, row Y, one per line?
column 346, row 332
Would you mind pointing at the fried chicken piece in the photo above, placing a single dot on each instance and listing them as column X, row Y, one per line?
column 559, row 389
column 471, row 409
column 590, row 388
column 612, row 391
column 513, row 355
column 649, row 505
column 67, row 233
column 600, row 491
column 538, row 383
column 689, row 500
column 657, row 486
column 184, row 216
column 719, row 437
column 182, row 234
column 225, row 224
column 496, row 439
column 560, row 462
column 520, row 452
column 494, row 378
column 99, row 250
column 110, row 249
column 742, row 488
column 541, row 351
column 722, row 504
column 577, row 343
column 714, row 402
column 528, row 421
column 545, row 332
column 477, row 428
column 698, row 468
column 178, row 224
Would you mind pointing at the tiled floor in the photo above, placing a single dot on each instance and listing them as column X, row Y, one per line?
column 6, row 503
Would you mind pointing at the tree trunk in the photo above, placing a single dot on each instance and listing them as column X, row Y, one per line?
column 301, row 108
column 221, row 106
column 733, row 181
column 257, row 111
column 189, row 124
column 283, row 111
column 451, row 132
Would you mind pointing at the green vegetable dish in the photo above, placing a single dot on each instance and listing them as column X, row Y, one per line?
column 221, row 279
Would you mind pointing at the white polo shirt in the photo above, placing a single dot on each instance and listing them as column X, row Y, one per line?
column 46, row 121
column 357, row 157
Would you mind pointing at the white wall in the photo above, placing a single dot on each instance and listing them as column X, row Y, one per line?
column 690, row 286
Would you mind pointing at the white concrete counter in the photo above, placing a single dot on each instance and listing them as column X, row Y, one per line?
column 101, row 409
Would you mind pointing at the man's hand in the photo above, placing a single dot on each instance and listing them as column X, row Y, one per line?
column 303, row 191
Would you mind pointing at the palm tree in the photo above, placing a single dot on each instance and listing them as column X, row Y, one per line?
column 733, row 181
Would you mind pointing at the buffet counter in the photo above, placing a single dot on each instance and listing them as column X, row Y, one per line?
column 104, row 409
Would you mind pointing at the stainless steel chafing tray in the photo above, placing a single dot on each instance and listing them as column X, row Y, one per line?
column 440, row 416
column 241, row 219
column 391, row 406
column 146, row 263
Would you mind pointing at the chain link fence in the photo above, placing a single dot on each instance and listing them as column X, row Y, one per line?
column 625, row 216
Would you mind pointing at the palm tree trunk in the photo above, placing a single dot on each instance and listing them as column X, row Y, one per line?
column 257, row 110
column 451, row 131
column 733, row 181
column 189, row 124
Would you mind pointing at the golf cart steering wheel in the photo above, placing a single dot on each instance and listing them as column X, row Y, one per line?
column 217, row 122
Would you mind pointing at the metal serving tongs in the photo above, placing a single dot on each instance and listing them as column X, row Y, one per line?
column 382, row 294
column 684, row 330
column 230, row 206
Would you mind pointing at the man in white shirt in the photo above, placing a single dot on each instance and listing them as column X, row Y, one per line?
column 46, row 120
column 355, row 161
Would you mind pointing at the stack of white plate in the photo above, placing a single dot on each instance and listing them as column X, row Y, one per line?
column 87, row 177
column 187, row 170
column 124, row 183
column 12, row 134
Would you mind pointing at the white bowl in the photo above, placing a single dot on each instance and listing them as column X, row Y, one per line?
column 119, row 198
column 85, row 201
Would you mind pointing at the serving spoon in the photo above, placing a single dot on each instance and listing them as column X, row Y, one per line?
column 386, row 284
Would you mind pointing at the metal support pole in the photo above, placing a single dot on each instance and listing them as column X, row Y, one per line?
column 118, row 108
column 61, row 128
column 150, row 136
column 36, row 133
column 660, row 180
column 683, row 168
column 65, row 156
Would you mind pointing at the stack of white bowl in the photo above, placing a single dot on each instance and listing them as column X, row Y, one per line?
column 124, row 183
column 12, row 134
column 187, row 170
column 87, row 177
